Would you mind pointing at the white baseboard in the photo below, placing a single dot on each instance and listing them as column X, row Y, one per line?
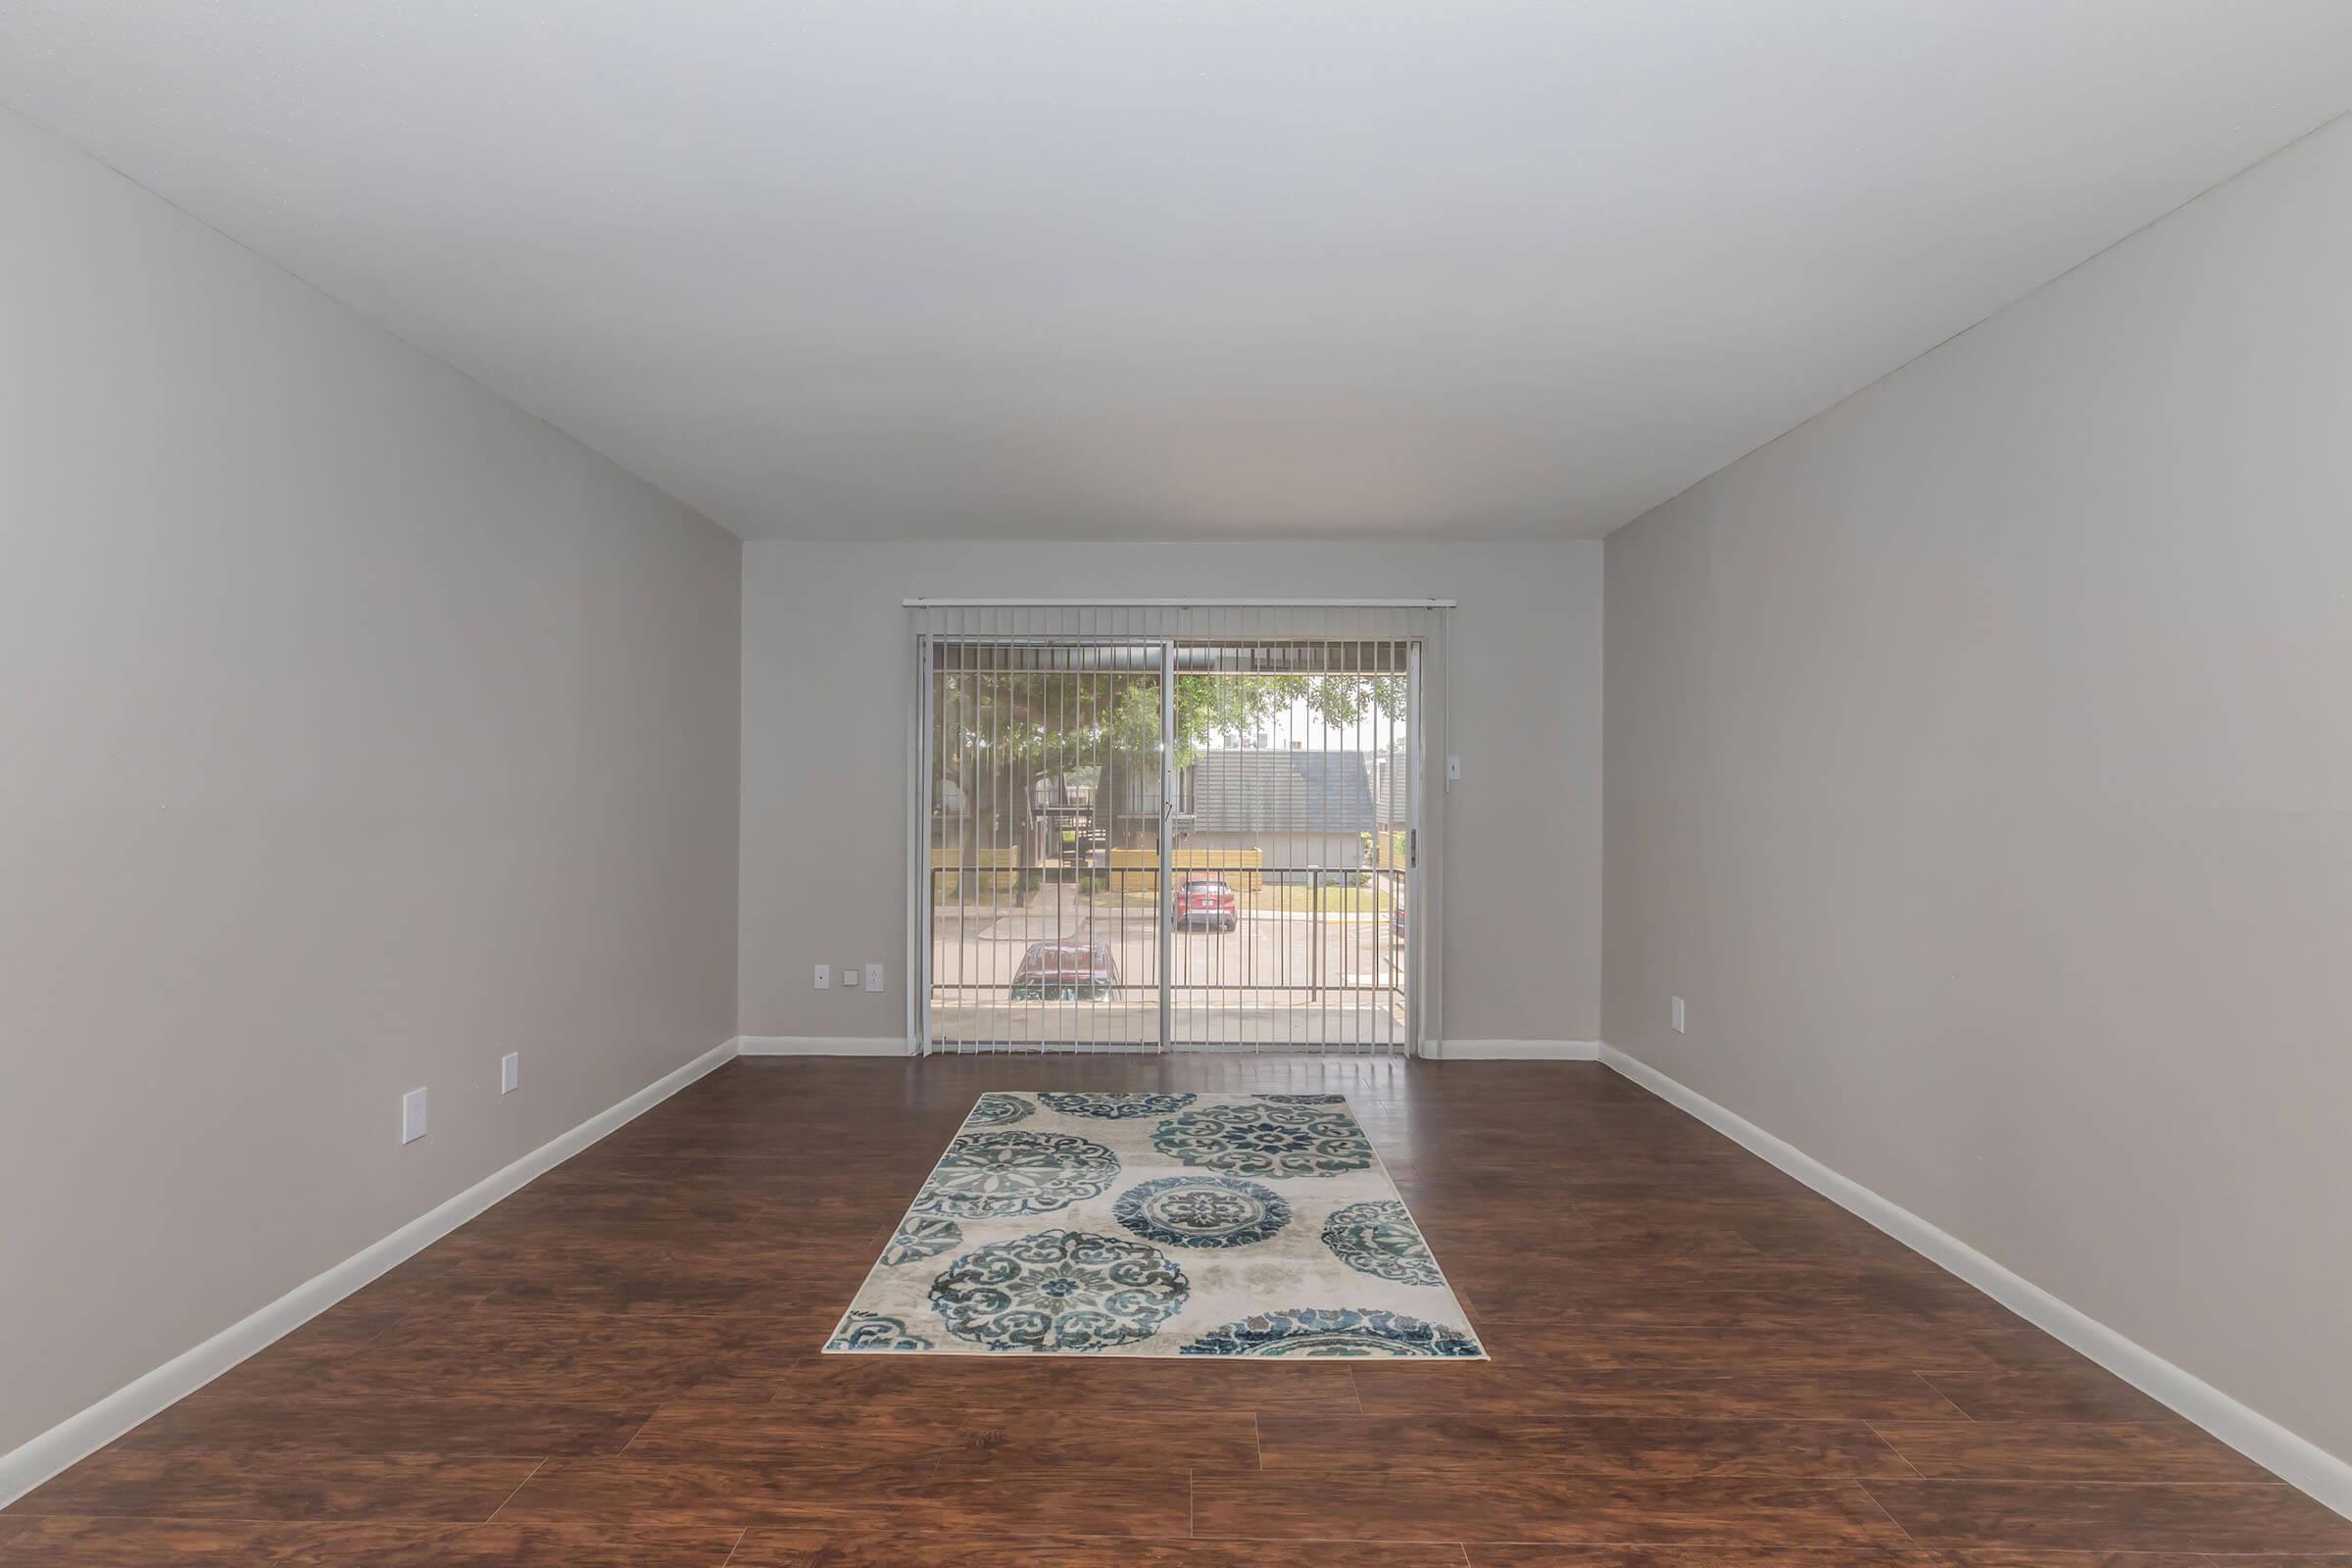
column 77, row 1437
column 824, row 1045
column 1515, row 1049
column 2292, row 1458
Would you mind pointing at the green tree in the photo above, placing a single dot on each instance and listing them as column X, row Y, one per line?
column 1240, row 709
column 1001, row 733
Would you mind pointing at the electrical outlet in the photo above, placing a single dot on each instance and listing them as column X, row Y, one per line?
column 1453, row 771
column 509, row 1072
column 873, row 977
column 848, row 977
column 411, row 1115
column 1682, row 1020
column 824, row 976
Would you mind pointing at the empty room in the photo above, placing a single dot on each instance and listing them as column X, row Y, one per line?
column 1180, row 783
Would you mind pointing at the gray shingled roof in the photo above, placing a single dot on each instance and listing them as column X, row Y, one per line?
column 1392, row 789
column 1282, row 792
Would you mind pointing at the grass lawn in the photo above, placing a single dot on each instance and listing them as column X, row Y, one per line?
column 1273, row 897
column 1334, row 899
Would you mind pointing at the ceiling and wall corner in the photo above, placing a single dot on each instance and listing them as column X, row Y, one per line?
column 358, row 729
column 1524, row 828
column 1978, row 768
column 854, row 274
column 890, row 270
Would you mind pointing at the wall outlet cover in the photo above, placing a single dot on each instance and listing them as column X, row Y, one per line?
column 411, row 1115
column 509, row 1072
column 1681, row 1019
column 824, row 976
column 873, row 977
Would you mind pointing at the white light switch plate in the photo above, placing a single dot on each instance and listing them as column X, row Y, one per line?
column 411, row 1115
column 873, row 977
column 509, row 1072
column 1681, row 1019
column 824, row 976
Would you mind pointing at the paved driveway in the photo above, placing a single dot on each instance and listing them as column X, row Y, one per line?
column 1280, row 977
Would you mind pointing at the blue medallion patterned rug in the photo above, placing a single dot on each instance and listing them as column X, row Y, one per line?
column 1157, row 1224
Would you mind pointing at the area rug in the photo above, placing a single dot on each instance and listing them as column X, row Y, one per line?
column 1157, row 1225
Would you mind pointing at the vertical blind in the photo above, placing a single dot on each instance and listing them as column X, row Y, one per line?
column 1041, row 896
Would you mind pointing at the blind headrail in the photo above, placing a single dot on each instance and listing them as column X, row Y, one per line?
column 1177, row 604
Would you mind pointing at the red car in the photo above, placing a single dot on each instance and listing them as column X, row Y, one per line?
column 1207, row 902
column 1066, row 971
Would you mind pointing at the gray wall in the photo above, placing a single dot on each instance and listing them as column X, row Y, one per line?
column 1285, row 852
column 357, row 728
column 1979, row 768
column 827, row 678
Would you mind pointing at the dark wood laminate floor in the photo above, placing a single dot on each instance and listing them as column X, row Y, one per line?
column 1697, row 1364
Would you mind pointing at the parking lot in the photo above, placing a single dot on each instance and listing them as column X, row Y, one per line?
column 1284, row 976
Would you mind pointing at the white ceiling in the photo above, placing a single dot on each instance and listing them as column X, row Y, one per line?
column 1173, row 268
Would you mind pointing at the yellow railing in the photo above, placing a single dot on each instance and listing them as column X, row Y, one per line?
column 979, row 869
column 1138, row 870
column 998, row 868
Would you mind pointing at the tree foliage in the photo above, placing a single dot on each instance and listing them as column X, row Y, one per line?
column 1001, row 731
column 1050, row 720
column 1240, row 710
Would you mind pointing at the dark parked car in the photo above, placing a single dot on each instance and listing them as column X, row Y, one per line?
column 1204, row 901
column 1066, row 971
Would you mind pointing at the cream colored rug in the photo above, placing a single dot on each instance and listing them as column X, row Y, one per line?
column 1157, row 1224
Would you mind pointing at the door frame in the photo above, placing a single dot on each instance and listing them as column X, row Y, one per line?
column 1166, row 942
column 919, row 882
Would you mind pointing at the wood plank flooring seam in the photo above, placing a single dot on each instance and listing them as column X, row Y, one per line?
column 1897, row 1453
column 526, row 1481
column 639, row 1432
column 723, row 1218
column 1940, row 1395
column 2054, row 1482
column 1864, row 1487
column 405, row 1521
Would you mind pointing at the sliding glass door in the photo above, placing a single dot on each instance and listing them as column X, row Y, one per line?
column 1044, row 820
column 1151, row 844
